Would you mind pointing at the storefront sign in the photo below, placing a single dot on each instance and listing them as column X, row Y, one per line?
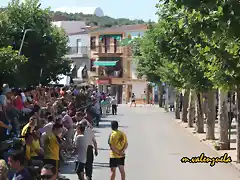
column 103, row 81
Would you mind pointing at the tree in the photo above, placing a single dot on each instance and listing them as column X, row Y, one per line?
column 9, row 60
column 45, row 46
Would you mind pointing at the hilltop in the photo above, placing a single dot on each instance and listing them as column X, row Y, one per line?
column 92, row 20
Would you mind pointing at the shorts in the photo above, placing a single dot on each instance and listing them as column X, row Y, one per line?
column 52, row 162
column 115, row 162
column 79, row 168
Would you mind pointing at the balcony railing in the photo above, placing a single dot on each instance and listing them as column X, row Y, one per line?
column 107, row 49
column 111, row 73
column 80, row 51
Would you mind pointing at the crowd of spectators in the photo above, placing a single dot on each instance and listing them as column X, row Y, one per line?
column 37, row 127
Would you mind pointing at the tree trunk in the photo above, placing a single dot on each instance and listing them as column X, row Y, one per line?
column 191, row 108
column 238, row 124
column 205, row 105
column 199, row 114
column 185, row 105
column 211, row 117
column 167, row 99
column 224, row 142
column 160, row 95
column 177, row 105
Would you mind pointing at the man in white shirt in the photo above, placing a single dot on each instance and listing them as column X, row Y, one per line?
column 81, row 149
column 68, row 123
column 91, row 143
column 114, row 106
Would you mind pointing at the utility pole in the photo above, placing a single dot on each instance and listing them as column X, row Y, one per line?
column 24, row 36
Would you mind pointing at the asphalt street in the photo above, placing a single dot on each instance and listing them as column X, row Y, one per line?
column 156, row 146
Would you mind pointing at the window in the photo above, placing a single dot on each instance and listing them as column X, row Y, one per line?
column 79, row 46
column 93, row 42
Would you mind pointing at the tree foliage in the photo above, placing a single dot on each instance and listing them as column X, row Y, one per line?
column 44, row 45
column 9, row 60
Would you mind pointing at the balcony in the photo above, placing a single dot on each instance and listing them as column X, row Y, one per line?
column 107, row 50
column 110, row 73
column 75, row 52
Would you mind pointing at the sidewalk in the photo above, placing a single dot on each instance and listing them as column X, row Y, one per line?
column 213, row 143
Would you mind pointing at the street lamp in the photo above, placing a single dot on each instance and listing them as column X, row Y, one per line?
column 24, row 35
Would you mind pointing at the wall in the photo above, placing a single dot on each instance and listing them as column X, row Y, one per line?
column 85, row 40
column 135, row 34
column 81, row 62
column 133, row 70
column 138, row 89
column 70, row 26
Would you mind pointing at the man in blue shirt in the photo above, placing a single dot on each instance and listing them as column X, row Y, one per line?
column 16, row 161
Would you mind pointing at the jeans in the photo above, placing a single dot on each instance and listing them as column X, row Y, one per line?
column 89, row 163
column 104, row 111
column 114, row 109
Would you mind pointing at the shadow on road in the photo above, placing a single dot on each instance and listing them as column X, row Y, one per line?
column 100, row 165
column 106, row 120
column 104, row 149
column 109, row 126
column 68, row 169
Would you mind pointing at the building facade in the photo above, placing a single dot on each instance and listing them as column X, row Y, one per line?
column 111, row 64
column 78, row 48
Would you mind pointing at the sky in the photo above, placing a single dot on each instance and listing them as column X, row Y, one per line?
column 132, row 9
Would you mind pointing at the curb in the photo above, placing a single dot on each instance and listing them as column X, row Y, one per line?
column 208, row 143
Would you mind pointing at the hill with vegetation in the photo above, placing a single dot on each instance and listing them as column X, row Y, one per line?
column 93, row 20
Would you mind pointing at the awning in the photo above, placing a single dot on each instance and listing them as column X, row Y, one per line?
column 63, row 80
column 105, row 63
column 80, row 72
column 125, row 42
column 114, row 36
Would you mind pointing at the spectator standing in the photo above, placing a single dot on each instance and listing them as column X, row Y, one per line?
column 68, row 124
column 118, row 144
column 114, row 106
column 81, row 149
column 91, row 143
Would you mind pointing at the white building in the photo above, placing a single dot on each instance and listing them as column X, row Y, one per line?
column 79, row 47
column 85, row 10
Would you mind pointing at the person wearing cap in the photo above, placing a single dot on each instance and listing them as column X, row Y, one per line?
column 91, row 143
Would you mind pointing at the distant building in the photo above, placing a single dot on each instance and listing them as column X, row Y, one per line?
column 78, row 48
column 70, row 27
column 112, row 67
column 85, row 10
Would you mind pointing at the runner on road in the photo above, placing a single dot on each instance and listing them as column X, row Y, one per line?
column 133, row 100
column 118, row 144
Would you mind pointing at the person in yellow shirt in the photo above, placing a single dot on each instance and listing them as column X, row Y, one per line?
column 36, row 150
column 118, row 144
column 28, row 139
column 29, row 126
column 52, row 146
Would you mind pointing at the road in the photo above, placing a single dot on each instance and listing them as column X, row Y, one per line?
column 156, row 145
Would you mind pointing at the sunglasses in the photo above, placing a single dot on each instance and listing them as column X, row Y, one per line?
column 46, row 177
